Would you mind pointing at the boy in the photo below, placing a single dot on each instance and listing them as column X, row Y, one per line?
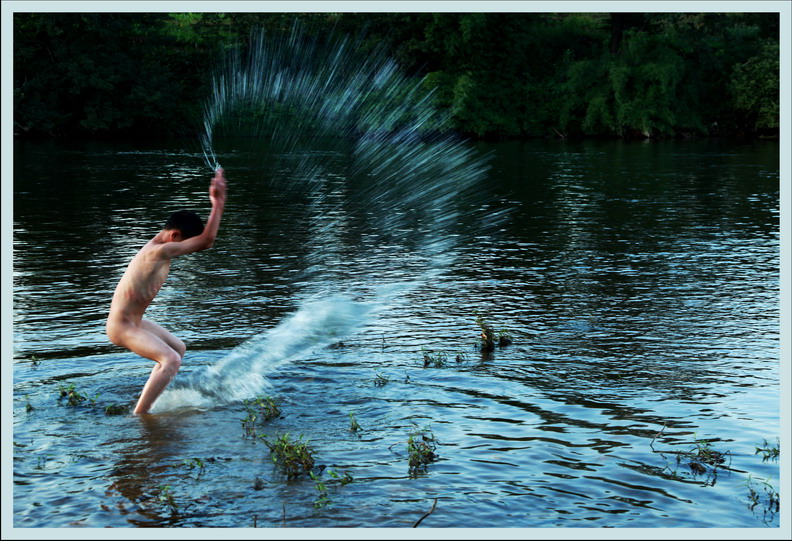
column 184, row 233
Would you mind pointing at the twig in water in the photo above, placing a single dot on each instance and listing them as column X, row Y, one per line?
column 651, row 443
column 427, row 514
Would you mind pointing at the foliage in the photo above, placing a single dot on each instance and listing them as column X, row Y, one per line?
column 489, row 337
column 73, row 396
column 769, row 452
column 116, row 409
column 767, row 499
column 421, row 446
column 353, row 424
column 754, row 86
column 380, row 380
column 167, row 499
column 432, row 360
column 498, row 74
column 259, row 410
column 291, row 457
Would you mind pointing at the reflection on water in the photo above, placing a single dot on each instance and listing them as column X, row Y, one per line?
column 639, row 281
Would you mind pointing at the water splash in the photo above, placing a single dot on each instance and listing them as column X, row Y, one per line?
column 242, row 374
column 339, row 125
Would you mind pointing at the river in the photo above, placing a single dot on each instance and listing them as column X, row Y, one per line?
column 638, row 281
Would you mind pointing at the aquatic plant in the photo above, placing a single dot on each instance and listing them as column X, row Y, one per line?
column 249, row 424
column 504, row 338
column 28, row 405
column 321, row 489
column 431, row 360
column 380, row 380
column 769, row 452
column 268, row 407
column 73, row 396
column 702, row 458
column 291, row 457
column 768, row 498
column 343, row 479
column 165, row 497
column 116, row 409
column 486, row 341
column 489, row 337
column 261, row 409
column 192, row 463
column 703, row 455
column 421, row 446
column 353, row 424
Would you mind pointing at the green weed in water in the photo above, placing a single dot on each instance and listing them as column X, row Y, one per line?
column 769, row 452
column 489, row 337
column 504, row 338
column 704, row 455
column 353, row 424
column 766, row 497
column 116, row 409
column 73, row 396
column 193, row 463
column 421, row 446
column 291, row 457
column 321, row 487
column 431, row 360
column 380, row 380
column 486, row 340
column 344, row 479
column 259, row 410
column 166, row 498
column 702, row 458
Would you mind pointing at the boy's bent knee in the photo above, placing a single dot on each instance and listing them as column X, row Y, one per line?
column 114, row 334
column 171, row 363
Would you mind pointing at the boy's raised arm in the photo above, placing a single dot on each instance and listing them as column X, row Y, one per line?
column 217, row 194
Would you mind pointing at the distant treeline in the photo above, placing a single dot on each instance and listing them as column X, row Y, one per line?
column 503, row 75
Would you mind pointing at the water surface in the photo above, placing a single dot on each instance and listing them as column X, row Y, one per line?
column 639, row 282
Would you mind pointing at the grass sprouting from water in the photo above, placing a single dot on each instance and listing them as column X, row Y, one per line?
column 260, row 410
column 73, row 396
column 380, row 380
column 769, row 452
column 354, row 426
column 421, row 446
column 291, row 457
column 489, row 338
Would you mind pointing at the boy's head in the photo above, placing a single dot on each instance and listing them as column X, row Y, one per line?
column 187, row 222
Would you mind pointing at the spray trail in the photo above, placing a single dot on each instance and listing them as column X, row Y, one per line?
column 342, row 127
column 242, row 374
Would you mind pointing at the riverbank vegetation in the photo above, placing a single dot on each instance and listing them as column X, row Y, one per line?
column 503, row 75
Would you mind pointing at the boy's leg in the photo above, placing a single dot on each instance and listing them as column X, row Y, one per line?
column 147, row 344
column 176, row 344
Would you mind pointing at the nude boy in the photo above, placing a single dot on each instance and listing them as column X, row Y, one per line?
column 184, row 233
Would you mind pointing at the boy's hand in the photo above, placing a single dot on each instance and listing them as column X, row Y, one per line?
column 217, row 190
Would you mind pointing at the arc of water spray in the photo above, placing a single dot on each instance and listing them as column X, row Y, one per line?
column 293, row 90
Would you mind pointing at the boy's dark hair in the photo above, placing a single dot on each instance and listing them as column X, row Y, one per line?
column 187, row 222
